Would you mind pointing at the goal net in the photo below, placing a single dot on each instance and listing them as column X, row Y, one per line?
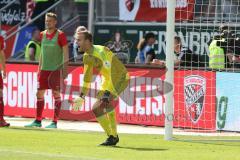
column 206, row 92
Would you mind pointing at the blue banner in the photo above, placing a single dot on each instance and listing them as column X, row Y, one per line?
column 23, row 38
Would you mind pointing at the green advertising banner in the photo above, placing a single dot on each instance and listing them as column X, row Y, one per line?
column 194, row 36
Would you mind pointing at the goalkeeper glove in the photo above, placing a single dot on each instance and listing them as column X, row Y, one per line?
column 78, row 103
column 106, row 97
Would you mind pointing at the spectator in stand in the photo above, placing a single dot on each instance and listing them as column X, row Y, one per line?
column 120, row 47
column 183, row 56
column 146, row 53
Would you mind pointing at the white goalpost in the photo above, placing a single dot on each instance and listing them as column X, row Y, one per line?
column 170, row 31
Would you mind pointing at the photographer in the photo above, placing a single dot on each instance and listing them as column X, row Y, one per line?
column 183, row 56
column 224, row 49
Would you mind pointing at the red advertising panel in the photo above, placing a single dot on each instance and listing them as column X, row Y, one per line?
column 142, row 102
column 154, row 10
column 194, row 99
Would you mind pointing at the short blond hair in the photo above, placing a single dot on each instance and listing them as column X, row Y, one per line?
column 52, row 15
column 81, row 29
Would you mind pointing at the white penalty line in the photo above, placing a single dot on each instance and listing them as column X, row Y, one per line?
column 50, row 155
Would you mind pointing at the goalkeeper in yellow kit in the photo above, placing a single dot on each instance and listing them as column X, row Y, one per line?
column 115, row 80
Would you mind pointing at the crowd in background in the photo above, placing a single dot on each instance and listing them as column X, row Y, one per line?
column 224, row 50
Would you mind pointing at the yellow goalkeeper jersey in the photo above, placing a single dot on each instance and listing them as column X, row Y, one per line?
column 114, row 74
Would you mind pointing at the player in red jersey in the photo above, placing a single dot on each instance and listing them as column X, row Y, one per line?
column 3, row 123
column 52, row 68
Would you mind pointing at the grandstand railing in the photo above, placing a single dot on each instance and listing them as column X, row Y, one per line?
column 34, row 19
column 3, row 8
column 112, row 15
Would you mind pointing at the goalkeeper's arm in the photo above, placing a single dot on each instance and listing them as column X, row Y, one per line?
column 78, row 102
column 88, row 73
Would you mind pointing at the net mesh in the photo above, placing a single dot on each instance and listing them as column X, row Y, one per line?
column 206, row 46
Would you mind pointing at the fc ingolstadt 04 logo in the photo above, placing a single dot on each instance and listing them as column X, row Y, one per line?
column 194, row 96
column 129, row 4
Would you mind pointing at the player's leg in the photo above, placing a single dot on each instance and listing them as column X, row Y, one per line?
column 57, row 109
column 101, row 117
column 113, row 139
column 108, row 98
column 3, row 123
column 42, row 86
column 111, row 113
column 55, row 81
column 120, row 87
column 101, row 109
column 40, row 106
column 110, row 109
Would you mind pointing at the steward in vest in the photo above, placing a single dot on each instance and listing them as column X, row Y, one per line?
column 216, row 55
column 224, row 49
column 33, row 50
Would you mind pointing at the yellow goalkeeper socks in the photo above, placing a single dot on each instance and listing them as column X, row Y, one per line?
column 113, row 122
column 105, row 123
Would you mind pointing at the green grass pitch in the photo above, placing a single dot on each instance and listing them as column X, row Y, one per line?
column 41, row 144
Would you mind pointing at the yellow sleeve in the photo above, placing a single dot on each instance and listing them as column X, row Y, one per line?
column 88, row 73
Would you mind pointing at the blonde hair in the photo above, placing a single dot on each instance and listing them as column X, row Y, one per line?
column 79, row 30
column 52, row 15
